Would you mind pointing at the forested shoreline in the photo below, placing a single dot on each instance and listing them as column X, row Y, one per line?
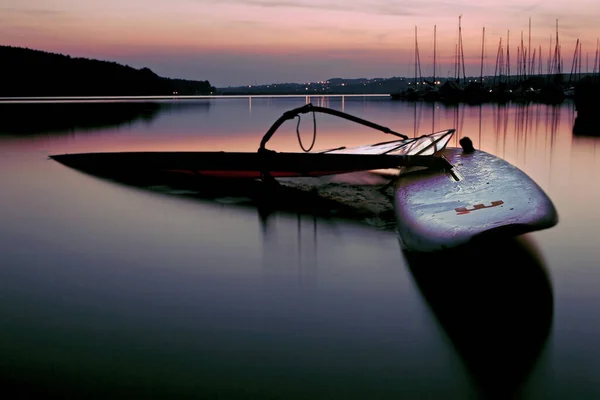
column 34, row 73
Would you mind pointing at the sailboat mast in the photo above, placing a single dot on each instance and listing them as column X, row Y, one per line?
column 518, row 64
column 456, row 55
column 456, row 76
column 462, row 53
column 529, row 50
column 507, row 55
column 482, row 51
column 498, row 65
column 560, row 59
column 557, row 51
column 596, row 56
column 522, row 59
column 416, row 57
column 434, row 52
column 550, row 56
column 502, row 63
column 574, row 63
column 540, row 61
column 580, row 53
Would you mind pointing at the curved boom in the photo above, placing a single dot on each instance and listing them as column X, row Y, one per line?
column 291, row 114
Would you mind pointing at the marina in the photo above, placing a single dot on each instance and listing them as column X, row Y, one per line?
column 532, row 79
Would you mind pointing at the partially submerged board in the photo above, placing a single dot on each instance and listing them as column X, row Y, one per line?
column 245, row 165
column 238, row 165
column 485, row 196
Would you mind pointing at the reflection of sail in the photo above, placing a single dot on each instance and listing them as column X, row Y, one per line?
column 34, row 118
column 498, row 314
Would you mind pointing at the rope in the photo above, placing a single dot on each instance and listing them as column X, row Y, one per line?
column 314, row 139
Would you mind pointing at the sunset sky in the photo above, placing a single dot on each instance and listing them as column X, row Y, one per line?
column 241, row 42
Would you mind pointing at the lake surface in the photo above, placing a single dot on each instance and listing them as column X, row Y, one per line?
column 111, row 289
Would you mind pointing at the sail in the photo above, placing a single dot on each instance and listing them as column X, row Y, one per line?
column 422, row 145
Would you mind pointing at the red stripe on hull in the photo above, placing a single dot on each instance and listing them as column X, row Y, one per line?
column 257, row 174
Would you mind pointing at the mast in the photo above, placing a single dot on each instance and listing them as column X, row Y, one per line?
column 523, row 69
column 416, row 57
column 502, row 66
column 518, row 64
column 434, row 52
column 550, row 56
column 596, row 56
column 498, row 63
column 574, row 62
column 579, row 75
column 561, row 62
column 529, row 49
column 557, row 51
column 540, row 61
column 462, row 53
column 456, row 62
column 574, row 65
column 482, row 50
column 507, row 55
column 456, row 54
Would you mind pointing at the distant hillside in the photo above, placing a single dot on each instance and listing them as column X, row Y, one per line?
column 25, row 72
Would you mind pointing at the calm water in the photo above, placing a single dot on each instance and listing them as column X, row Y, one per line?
column 109, row 288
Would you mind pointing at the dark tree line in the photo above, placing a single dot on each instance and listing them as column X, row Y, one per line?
column 26, row 72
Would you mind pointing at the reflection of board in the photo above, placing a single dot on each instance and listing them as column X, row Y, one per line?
column 435, row 211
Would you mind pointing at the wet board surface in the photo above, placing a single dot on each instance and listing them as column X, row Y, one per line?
column 492, row 198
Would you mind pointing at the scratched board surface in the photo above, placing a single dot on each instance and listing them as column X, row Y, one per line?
column 435, row 210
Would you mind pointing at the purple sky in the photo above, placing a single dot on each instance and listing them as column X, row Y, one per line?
column 240, row 42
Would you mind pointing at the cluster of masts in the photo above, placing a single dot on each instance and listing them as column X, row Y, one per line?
column 526, row 84
column 528, row 59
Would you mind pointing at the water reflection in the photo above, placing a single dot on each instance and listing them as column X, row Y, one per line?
column 36, row 118
column 98, row 275
column 302, row 253
column 494, row 300
column 497, row 316
column 353, row 196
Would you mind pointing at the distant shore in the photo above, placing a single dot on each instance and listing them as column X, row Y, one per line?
column 34, row 73
column 173, row 97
